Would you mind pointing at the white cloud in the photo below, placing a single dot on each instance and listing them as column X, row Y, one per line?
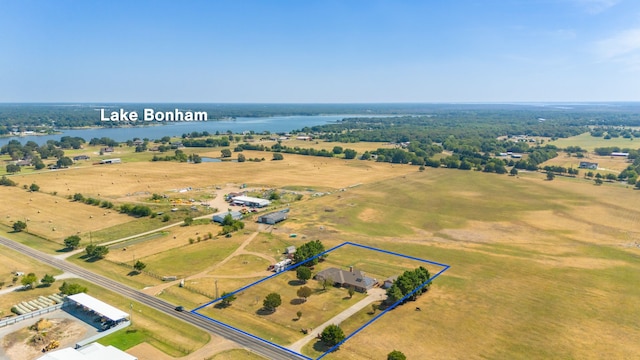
column 623, row 47
column 596, row 6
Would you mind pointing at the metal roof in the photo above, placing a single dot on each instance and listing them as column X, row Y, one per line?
column 99, row 307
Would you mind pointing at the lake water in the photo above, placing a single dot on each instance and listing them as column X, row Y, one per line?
column 273, row 124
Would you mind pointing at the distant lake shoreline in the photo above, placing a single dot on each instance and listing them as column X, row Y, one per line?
column 273, row 124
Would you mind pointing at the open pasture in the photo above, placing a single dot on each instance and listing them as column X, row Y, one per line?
column 606, row 164
column 54, row 217
column 588, row 142
column 539, row 268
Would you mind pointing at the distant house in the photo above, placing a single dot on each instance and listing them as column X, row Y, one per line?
column 274, row 217
column 516, row 156
column 354, row 279
column 219, row 217
column 137, row 142
column 588, row 165
column 111, row 161
column 304, row 138
column 80, row 157
column 621, row 154
column 290, row 250
column 24, row 162
column 107, row 149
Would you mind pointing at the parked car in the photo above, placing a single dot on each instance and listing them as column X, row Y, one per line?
column 180, row 308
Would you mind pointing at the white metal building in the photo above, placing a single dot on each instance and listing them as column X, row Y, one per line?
column 94, row 351
column 251, row 201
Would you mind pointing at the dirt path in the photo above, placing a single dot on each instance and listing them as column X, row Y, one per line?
column 375, row 294
column 155, row 290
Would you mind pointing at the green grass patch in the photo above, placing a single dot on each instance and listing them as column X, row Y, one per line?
column 30, row 240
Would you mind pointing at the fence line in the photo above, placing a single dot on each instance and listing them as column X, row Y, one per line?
column 30, row 315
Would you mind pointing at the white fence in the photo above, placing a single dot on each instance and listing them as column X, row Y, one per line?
column 30, row 315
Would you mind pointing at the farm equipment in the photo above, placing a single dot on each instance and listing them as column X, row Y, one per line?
column 52, row 345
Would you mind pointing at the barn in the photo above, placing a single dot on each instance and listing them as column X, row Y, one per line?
column 274, row 217
column 219, row 217
column 250, row 201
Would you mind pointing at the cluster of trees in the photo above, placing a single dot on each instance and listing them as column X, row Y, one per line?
column 561, row 170
column 610, row 132
column 208, row 142
column 72, row 242
column 72, row 288
column 19, row 226
column 230, row 225
column 96, row 251
column 178, row 156
column 348, row 153
column 92, row 201
column 30, row 280
column 408, row 282
column 309, row 250
column 5, row 181
column 135, row 210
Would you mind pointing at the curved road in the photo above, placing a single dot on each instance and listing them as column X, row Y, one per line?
column 253, row 344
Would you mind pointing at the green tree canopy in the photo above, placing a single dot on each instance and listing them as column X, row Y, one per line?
column 308, row 251
column 332, row 335
column 72, row 241
column 304, row 292
column 272, row 301
column 396, row 355
column 48, row 280
column 139, row 266
column 303, row 273
column 72, row 288
column 29, row 280
column 19, row 226
column 227, row 299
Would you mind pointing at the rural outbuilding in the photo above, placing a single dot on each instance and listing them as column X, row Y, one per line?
column 290, row 250
column 219, row 217
column 251, row 201
column 95, row 351
column 99, row 307
column 274, row 217
column 588, row 165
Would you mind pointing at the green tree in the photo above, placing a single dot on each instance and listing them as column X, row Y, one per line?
column 13, row 168
column 303, row 274
column 64, row 162
column 227, row 299
column 5, row 181
column 29, row 280
column 241, row 158
column 337, row 150
column 101, row 252
column 598, row 181
column 78, row 197
column 34, row 187
column 277, row 156
column 332, row 335
column 139, row 266
column 304, row 292
column 550, row 175
column 188, row 221
column 351, row 292
column 638, row 185
column 19, row 226
column 299, row 314
column 350, row 154
column 396, row 355
column 72, row 242
column 307, row 251
column 47, row 280
column 272, row 301
column 225, row 153
column 513, row 171
column 72, row 288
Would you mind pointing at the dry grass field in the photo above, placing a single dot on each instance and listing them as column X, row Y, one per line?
column 539, row 269
column 606, row 164
column 588, row 142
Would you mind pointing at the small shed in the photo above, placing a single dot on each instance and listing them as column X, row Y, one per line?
column 290, row 250
column 219, row 217
column 273, row 218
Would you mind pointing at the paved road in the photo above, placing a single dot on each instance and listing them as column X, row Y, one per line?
column 259, row 347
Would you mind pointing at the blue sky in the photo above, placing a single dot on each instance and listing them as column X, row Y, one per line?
column 320, row 51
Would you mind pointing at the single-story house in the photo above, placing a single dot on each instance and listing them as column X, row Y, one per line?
column 250, row 201
column 219, row 217
column 388, row 282
column 138, row 142
column 80, row 157
column 273, row 218
column 107, row 149
column 588, row 165
column 304, row 138
column 354, row 279
column 25, row 162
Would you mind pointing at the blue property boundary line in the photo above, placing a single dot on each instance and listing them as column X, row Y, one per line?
column 445, row 267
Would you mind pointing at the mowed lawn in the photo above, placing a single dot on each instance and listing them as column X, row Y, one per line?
column 539, row 269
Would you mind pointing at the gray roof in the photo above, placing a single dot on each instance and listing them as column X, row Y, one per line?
column 355, row 278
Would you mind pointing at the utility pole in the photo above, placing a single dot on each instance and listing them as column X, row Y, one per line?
column 217, row 289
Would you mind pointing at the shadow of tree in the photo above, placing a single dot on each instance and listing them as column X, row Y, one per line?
column 295, row 282
column 297, row 301
column 263, row 311
column 320, row 346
